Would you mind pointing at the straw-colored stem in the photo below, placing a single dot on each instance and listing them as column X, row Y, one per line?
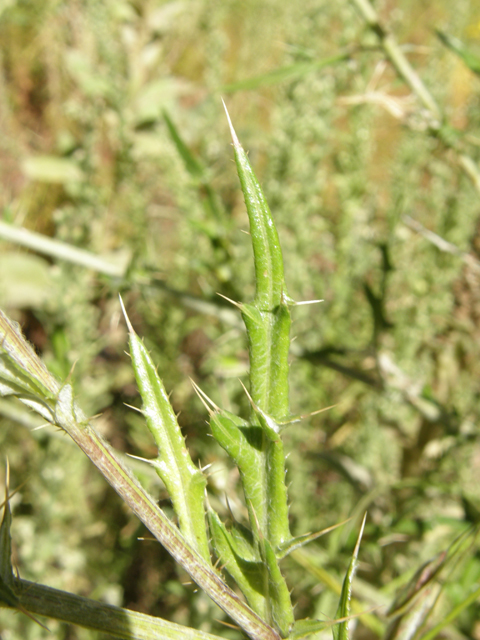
column 397, row 57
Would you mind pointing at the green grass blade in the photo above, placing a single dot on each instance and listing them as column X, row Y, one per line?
column 303, row 559
column 340, row 630
column 418, row 598
column 185, row 483
column 301, row 541
column 453, row 615
column 454, row 44
column 192, row 165
column 283, row 74
column 115, row 267
column 198, row 172
column 6, row 574
column 306, row 628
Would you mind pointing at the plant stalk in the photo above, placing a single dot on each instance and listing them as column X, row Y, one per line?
column 121, row 623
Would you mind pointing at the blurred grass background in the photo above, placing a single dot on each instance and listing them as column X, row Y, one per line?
column 113, row 139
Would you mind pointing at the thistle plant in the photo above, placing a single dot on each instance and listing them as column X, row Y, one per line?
column 250, row 552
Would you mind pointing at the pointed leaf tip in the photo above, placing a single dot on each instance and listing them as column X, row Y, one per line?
column 129, row 324
column 236, row 142
column 360, row 535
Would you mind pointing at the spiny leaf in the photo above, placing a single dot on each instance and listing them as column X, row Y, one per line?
column 247, row 572
column 267, row 253
column 267, row 321
column 244, row 444
column 279, row 595
column 21, row 371
column 185, row 483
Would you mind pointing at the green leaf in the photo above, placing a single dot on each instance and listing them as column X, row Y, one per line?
column 305, row 628
column 239, row 559
column 243, row 443
column 278, row 593
column 454, row 44
column 283, row 74
column 267, row 321
column 251, row 560
column 340, row 630
column 260, row 463
column 22, row 373
column 259, row 578
column 415, row 601
column 192, row 165
column 269, row 278
column 185, row 483
column 268, row 318
column 6, row 573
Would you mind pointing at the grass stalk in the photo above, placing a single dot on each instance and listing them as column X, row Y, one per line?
column 397, row 57
column 62, row 250
column 436, row 125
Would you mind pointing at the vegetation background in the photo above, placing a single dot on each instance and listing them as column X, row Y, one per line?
column 93, row 98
